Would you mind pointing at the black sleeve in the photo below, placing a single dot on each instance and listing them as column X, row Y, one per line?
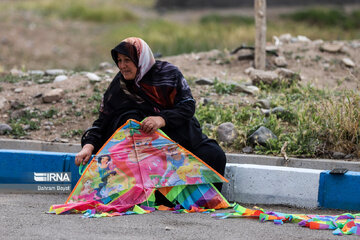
column 94, row 134
column 184, row 105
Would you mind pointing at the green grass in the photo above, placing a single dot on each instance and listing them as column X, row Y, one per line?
column 315, row 123
column 223, row 88
column 35, row 78
column 31, row 119
column 327, row 17
column 228, row 19
column 117, row 22
column 95, row 98
column 50, row 113
column 72, row 133
column 9, row 78
column 171, row 38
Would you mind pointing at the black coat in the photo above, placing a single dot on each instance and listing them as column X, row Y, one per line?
column 124, row 100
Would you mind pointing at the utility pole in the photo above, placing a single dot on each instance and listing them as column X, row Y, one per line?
column 260, row 36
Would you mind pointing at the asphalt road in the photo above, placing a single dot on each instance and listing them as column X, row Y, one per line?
column 22, row 216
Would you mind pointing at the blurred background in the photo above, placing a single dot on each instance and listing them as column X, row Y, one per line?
column 39, row 34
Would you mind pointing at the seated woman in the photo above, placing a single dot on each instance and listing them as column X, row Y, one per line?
column 154, row 90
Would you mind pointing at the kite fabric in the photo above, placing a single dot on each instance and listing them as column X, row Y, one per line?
column 123, row 176
column 344, row 224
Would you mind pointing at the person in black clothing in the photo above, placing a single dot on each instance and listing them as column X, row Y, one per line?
column 157, row 93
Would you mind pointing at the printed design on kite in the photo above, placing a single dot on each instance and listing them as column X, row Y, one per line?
column 132, row 165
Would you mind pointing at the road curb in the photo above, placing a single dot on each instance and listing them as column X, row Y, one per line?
column 321, row 164
column 257, row 184
column 299, row 187
column 37, row 171
column 265, row 181
column 340, row 191
column 35, row 145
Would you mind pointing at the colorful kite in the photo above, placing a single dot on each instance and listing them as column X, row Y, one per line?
column 123, row 176
column 341, row 224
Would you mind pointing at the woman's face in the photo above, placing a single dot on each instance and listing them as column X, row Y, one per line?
column 127, row 67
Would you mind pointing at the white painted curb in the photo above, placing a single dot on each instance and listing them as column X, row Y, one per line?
column 259, row 184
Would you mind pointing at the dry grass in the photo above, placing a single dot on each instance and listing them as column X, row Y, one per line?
column 339, row 124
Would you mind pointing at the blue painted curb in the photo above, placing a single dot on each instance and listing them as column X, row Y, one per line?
column 19, row 167
column 339, row 191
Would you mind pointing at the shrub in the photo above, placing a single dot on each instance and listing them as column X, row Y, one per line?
column 50, row 113
column 223, row 88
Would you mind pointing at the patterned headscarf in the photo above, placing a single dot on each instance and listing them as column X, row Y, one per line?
column 144, row 58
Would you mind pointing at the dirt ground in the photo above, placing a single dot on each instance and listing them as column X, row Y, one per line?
column 27, row 43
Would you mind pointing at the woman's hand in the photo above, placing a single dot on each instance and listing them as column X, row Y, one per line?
column 84, row 155
column 152, row 123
